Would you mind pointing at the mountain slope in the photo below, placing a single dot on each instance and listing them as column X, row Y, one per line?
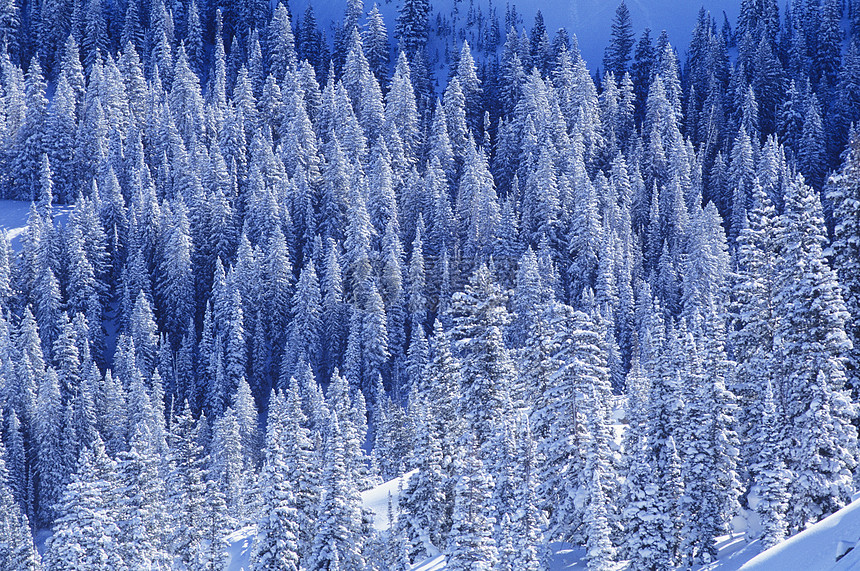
column 589, row 20
column 817, row 548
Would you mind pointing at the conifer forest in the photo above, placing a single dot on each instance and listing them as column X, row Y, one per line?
column 275, row 266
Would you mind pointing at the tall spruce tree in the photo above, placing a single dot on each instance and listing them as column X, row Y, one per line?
column 620, row 50
column 810, row 346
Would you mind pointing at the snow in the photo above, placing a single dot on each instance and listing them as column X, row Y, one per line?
column 566, row 557
column 733, row 552
column 376, row 499
column 13, row 219
column 816, row 548
column 437, row 563
column 239, row 548
column 40, row 538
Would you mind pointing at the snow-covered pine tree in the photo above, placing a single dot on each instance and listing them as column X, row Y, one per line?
column 752, row 316
column 17, row 550
column 49, row 465
column 844, row 195
column 281, row 42
column 142, row 508
column 227, row 467
column 413, row 26
column 186, row 487
column 711, row 450
column 770, row 488
column 299, row 455
column 305, row 325
column 276, row 542
column 470, row 544
column 86, row 534
column 375, row 37
column 488, row 374
column 176, row 287
column 337, row 542
column 425, row 503
column 810, row 347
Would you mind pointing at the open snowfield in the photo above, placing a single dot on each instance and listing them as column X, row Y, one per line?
column 817, row 548
column 376, row 499
column 13, row 219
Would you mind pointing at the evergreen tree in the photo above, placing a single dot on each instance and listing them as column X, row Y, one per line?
column 771, row 486
column 600, row 551
column 144, row 513
column 844, row 194
column 752, row 315
column 618, row 53
column 425, row 503
column 281, row 42
column 50, row 462
column 30, row 143
column 487, row 372
column 275, row 545
column 227, row 471
column 17, row 550
column 337, row 541
column 643, row 64
column 811, row 152
column 303, row 478
column 376, row 40
column 710, row 469
column 471, row 545
column 186, row 487
column 810, row 345
column 413, row 26
column 176, row 289
column 86, row 534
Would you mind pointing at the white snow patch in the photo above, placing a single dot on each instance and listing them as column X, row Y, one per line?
column 239, row 548
column 567, row 557
column 437, row 563
column 733, row 551
column 376, row 499
column 816, row 548
column 13, row 219
column 40, row 538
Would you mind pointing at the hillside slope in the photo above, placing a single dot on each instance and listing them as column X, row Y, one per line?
column 590, row 20
column 817, row 548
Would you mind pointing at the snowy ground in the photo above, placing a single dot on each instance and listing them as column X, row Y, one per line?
column 239, row 548
column 817, row 548
column 376, row 500
column 13, row 219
